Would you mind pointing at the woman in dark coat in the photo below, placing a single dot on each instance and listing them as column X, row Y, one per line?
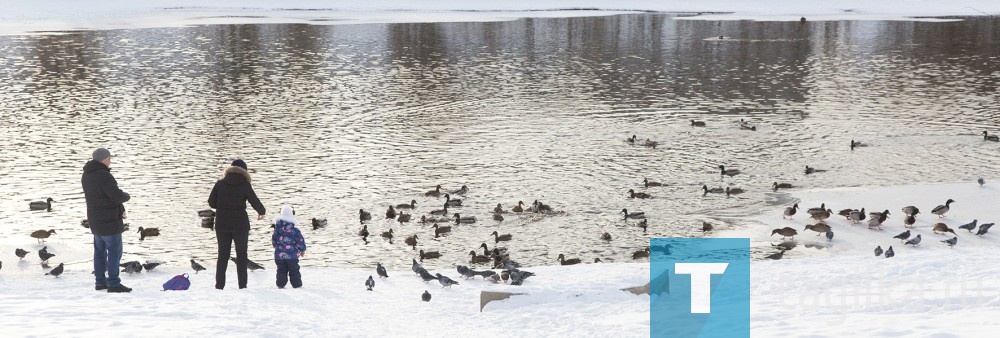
column 232, row 224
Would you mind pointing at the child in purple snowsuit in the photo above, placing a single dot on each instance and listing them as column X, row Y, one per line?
column 288, row 247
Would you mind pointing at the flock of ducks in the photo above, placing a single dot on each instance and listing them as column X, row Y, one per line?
column 821, row 213
column 876, row 220
column 500, row 256
column 44, row 255
column 497, row 257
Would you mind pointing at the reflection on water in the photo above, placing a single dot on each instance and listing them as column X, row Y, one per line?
column 333, row 119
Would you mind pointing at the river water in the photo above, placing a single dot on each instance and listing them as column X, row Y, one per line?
column 332, row 119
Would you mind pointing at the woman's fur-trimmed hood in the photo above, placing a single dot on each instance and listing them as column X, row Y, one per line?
column 235, row 170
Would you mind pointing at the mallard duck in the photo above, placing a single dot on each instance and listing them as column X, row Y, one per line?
column 633, row 194
column 857, row 144
column 882, row 216
column 41, row 235
column 811, row 170
column 438, row 230
column 41, row 205
column 730, row 172
column 706, row 227
column 460, row 191
column 411, row 240
column 412, row 205
column 909, row 220
column 634, row 215
column 498, row 217
column 649, row 183
column 747, row 126
column 598, row 260
column 785, row 232
column 846, row 213
column 820, row 228
column 733, row 191
column 497, row 251
column 988, row 137
column 518, row 208
column 429, row 255
column 364, row 231
column 697, row 123
column 563, row 261
column 440, row 211
column 651, row 144
column 631, row 139
column 452, row 202
column 821, row 208
column 477, row 259
column 466, row 220
column 790, row 211
column 403, row 218
column 364, row 215
column 857, row 216
column 777, row 186
column 388, row 235
column 148, row 232
column 540, row 207
column 497, row 238
column 390, row 213
column 943, row 228
column 941, row 209
column 206, row 213
column 318, row 223
column 498, row 209
column 716, row 190
column 875, row 221
column 644, row 253
column 822, row 215
column 910, row 210
column 434, row 193
column 605, row 236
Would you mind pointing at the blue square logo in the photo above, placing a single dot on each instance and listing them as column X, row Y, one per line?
column 699, row 287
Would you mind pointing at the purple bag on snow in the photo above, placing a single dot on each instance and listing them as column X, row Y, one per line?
column 179, row 282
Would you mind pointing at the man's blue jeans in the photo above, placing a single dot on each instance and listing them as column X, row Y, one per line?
column 107, row 256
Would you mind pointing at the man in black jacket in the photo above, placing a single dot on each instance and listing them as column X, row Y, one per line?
column 105, row 210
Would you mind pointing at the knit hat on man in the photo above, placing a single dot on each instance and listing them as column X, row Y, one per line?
column 240, row 163
column 100, row 154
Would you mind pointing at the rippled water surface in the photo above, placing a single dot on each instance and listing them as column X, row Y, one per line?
column 333, row 119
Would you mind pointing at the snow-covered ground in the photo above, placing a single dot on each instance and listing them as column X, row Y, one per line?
column 18, row 17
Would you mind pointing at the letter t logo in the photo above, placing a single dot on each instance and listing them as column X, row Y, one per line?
column 701, row 282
